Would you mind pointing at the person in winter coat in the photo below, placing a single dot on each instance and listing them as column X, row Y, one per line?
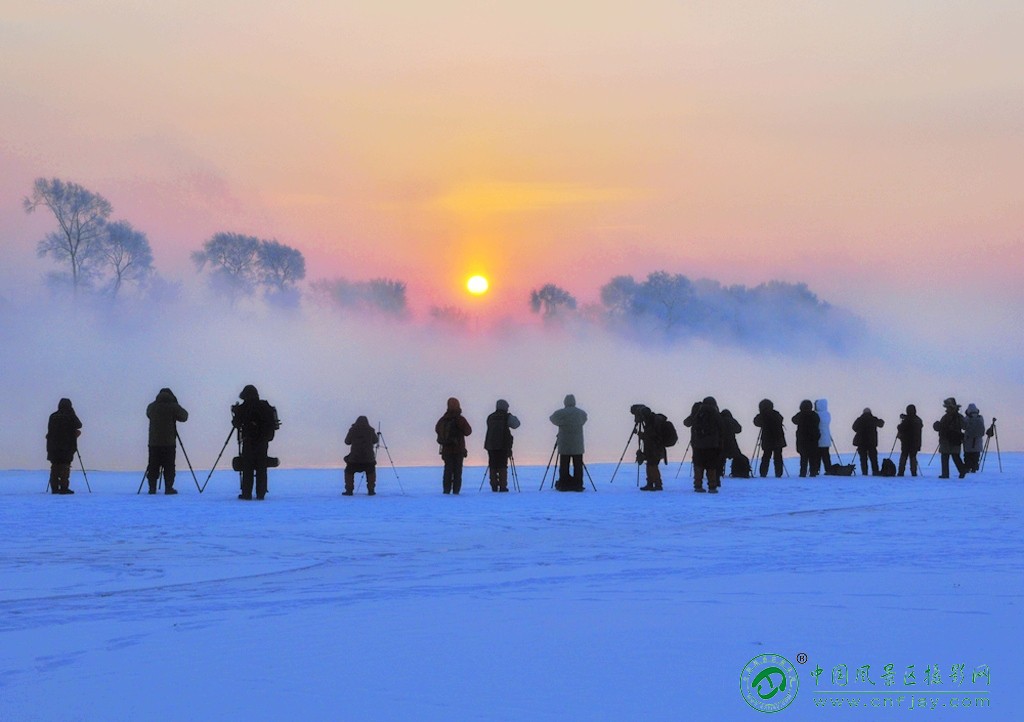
column 362, row 457
column 808, row 435
column 256, row 421
column 773, row 437
column 730, row 447
column 62, row 432
column 652, row 429
column 974, row 438
column 164, row 414
column 951, row 435
column 452, row 430
column 908, row 431
column 865, row 439
column 498, row 443
column 570, row 420
column 824, row 459
column 706, row 440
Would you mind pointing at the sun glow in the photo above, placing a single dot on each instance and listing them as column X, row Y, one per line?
column 477, row 285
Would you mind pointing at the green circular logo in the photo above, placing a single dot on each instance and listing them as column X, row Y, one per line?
column 769, row 683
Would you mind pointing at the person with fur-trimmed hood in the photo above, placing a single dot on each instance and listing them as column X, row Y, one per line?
column 908, row 431
column 974, row 437
column 773, row 437
column 824, row 459
column 951, row 435
column 256, row 421
column 452, row 430
column 498, row 444
column 865, row 440
column 362, row 457
column 706, row 439
column 163, row 413
column 62, row 432
column 570, row 420
column 808, row 435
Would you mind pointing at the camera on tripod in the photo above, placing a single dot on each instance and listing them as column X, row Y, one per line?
column 640, row 412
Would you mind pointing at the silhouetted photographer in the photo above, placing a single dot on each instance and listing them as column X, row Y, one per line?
column 256, row 422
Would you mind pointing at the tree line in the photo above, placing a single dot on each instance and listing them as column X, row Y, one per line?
column 99, row 255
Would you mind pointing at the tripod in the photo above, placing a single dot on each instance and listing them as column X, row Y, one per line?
column 387, row 451
column 993, row 434
column 635, row 432
column 548, row 467
column 683, row 460
column 214, row 467
column 82, row 466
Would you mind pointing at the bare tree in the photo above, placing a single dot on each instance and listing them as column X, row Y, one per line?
column 383, row 295
column 127, row 254
column 549, row 300
column 81, row 216
column 234, row 263
column 280, row 266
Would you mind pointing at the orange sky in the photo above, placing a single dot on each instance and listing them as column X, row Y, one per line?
column 535, row 141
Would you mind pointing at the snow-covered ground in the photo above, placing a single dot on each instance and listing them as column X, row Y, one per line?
column 616, row 605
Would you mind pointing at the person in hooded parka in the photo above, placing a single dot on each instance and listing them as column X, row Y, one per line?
column 498, row 444
column 824, row 460
column 62, row 432
column 256, row 421
column 773, row 437
column 362, row 458
column 808, row 435
column 452, row 430
column 865, row 440
column 163, row 413
column 908, row 431
column 974, row 437
column 570, row 420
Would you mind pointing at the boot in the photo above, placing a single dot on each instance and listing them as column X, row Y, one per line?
column 371, row 490
column 169, row 489
column 347, row 492
column 152, row 487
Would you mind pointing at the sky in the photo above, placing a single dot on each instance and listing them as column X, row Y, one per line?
column 872, row 150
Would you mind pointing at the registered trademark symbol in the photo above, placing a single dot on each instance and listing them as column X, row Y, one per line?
column 801, row 658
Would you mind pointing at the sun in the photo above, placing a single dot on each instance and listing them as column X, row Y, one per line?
column 477, row 285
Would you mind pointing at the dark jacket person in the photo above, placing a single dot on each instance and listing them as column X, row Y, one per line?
column 498, row 443
column 163, row 414
column 951, row 436
column 773, row 436
column 452, row 430
column 62, row 432
column 362, row 458
column 908, row 431
column 808, row 433
column 257, row 423
column 865, row 439
column 707, row 439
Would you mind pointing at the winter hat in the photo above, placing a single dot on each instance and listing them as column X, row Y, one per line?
column 362, row 421
column 570, row 400
column 806, row 405
column 453, row 405
column 501, row 405
column 951, row 403
column 765, row 405
column 867, row 411
column 249, row 393
column 64, row 405
column 971, row 409
column 710, row 401
column 911, row 410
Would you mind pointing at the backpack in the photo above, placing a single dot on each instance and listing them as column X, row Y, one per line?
column 740, row 467
column 704, row 426
column 666, row 431
column 270, row 422
column 448, row 435
column 888, row 468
